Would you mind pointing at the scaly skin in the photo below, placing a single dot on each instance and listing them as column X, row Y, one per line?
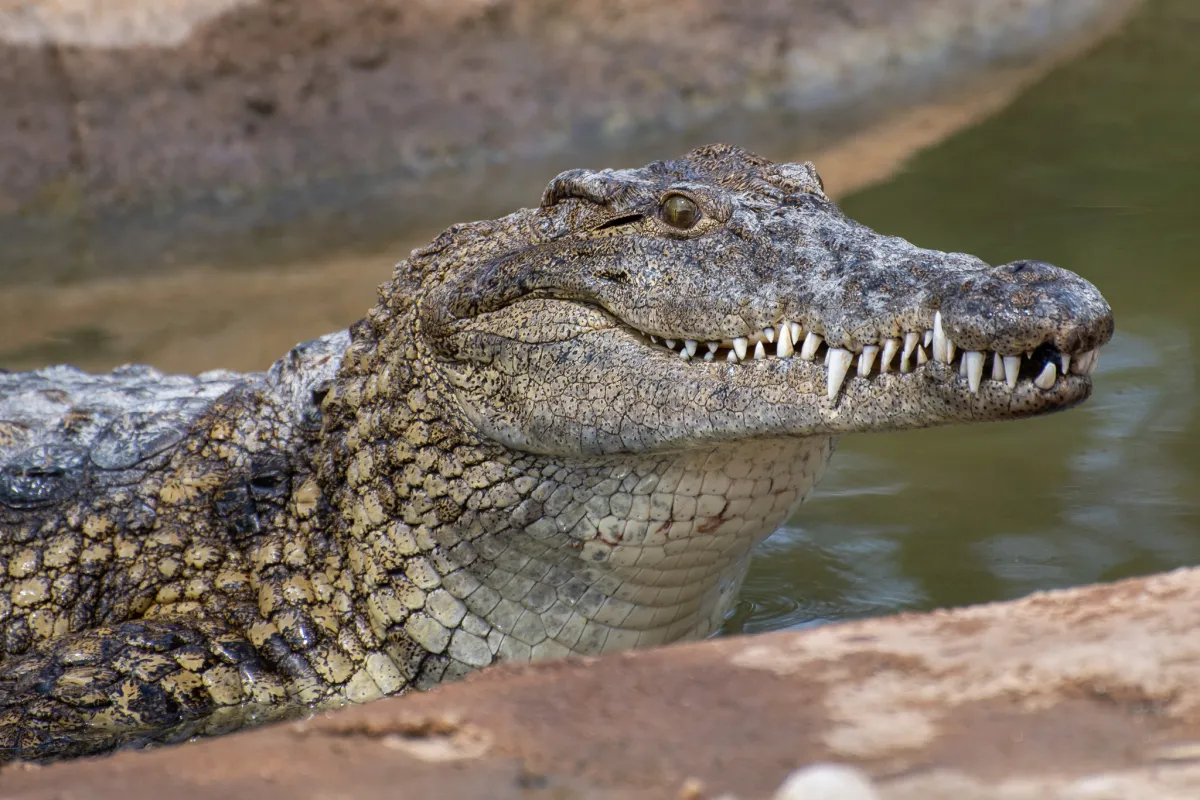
column 503, row 461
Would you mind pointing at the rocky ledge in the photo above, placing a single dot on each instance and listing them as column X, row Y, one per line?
column 1084, row 694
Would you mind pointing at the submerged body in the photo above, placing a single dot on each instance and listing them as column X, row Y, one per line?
column 558, row 432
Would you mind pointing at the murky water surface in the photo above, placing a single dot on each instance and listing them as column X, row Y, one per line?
column 1096, row 169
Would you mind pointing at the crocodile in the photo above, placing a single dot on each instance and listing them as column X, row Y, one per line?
column 557, row 433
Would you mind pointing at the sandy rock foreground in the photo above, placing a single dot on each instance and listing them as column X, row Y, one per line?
column 1085, row 694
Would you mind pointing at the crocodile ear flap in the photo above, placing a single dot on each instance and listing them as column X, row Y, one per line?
column 602, row 188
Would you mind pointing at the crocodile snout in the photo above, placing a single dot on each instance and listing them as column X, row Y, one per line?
column 1021, row 306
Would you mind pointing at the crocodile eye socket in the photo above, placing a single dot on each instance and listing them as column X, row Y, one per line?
column 679, row 211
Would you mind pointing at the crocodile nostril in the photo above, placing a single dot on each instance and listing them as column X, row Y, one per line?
column 1028, row 269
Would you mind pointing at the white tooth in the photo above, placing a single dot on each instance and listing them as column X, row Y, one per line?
column 910, row 343
column 921, row 357
column 997, row 367
column 839, row 365
column 867, row 360
column 928, row 340
column 785, row 349
column 654, row 338
column 1093, row 358
column 739, row 346
column 1029, row 354
column 684, row 354
column 713, row 346
column 890, row 348
column 690, row 345
column 731, row 357
column 1079, row 365
column 973, row 359
column 797, row 331
column 939, row 339
column 1046, row 379
column 1084, row 363
column 1066, row 364
column 811, row 342
column 828, row 355
column 1012, row 366
column 949, row 350
column 760, row 352
column 708, row 356
column 962, row 366
column 669, row 343
column 769, row 334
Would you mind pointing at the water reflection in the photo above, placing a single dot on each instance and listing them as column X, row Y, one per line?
column 1096, row 169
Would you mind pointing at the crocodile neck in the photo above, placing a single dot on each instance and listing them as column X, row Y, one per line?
column 479, row 552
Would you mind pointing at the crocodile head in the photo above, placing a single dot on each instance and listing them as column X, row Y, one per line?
column 590, row 411
column 722, row 296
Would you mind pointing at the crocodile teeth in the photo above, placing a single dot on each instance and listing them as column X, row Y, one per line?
column 910, row 344
column 760, row 352
column 769, row 334
column 997, row 367
column 949, row 350
column 973, row 359
column 670, row 343
column 732, row 357
column 708, row 356
column 690, row 345
column 1085, row 363
column 811, row 342
column 684, row 354
column 921, row 357
column 890, row 348
column 713, row 346
column 739, row 347
column 839, row 365
column 1066, row 364
column 797, row 331
column 654, row 338
column 1046, row 379
column 784, row 348
column 928, row 340
column 1012, row 366
column 867, row 360
column 939, row 339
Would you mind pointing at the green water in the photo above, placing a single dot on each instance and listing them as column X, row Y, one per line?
column 1097, row 169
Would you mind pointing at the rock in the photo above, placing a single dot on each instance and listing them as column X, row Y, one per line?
column 1084, row 694
column 827, row 782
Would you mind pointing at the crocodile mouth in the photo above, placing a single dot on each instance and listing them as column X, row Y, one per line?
column 1041, row 366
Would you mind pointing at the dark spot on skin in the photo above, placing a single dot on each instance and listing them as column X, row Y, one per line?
column 614, row 275
column 42, row 476
column 269, row 477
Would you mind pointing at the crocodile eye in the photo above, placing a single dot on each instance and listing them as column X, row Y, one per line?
column 679, row 211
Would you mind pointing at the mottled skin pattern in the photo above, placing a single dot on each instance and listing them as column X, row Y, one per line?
column 498, row 463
